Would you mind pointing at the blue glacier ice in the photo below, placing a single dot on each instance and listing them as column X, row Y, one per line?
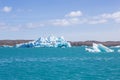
column 98, row 48
column 50, row 41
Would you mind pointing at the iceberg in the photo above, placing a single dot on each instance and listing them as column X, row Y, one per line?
column 118, row 50
column 99, row 48
column 6, row 46
column 50, row 41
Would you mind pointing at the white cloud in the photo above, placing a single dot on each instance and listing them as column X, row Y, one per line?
column 9, row 27
column 97, row 21
column 77, row 21
column 67, row 22
column 19, row 27
column 34, row 25
column 7, row 9
column 74, row 20
column 74, row 14
column 113, row 16
column 60, row 22
column 116, row 15
column 105, row 16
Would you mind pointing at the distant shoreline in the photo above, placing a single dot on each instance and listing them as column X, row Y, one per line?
column 73, row 43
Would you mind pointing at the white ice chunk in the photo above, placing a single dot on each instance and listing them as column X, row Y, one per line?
column 99, row 48
column 6, row 46
column 116, row 47
column 118, row 50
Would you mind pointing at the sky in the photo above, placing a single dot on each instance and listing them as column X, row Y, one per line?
column 76, row 20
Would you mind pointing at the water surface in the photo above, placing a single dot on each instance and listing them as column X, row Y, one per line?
column 58, row 64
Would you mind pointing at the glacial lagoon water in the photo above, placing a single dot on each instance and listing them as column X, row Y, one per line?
column 58, row 64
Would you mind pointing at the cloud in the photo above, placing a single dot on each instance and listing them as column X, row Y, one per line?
column 97, row 21
column 105, row 16
column 66, row 21
column 74, row 14
column 113, row 16
column 34, row 25
column 7, row 9
column 19, row 27
column 116, row 15
column 76, row 21
column 60, row 22
column 73, row 18
column 9, row 27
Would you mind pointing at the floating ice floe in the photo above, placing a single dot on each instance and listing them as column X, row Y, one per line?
column 50, row 41
column 115, row 46
column 98, row 48
column 118, row 50
column 6, row 46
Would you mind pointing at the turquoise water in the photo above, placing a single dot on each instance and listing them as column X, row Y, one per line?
column 58, row 64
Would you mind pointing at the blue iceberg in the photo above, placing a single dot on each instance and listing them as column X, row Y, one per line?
column 99, row 48
column 50, row 41
column 119, row 50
